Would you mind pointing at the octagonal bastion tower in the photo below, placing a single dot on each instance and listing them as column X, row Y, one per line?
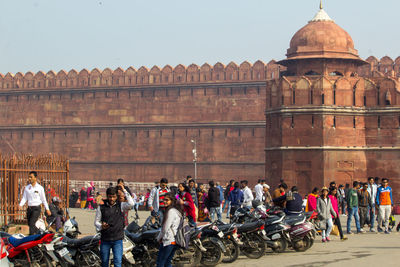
column 325, row 121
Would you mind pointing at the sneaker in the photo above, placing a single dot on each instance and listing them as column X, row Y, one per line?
column 372, row 230
column 344, row 238
column 362, row 230
column 323, row 240
column 328, row 239
column 387, row 232
column 380, row 230
column 350, row 233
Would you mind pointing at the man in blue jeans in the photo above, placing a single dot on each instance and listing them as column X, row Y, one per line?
column 352, row 208
column 109, row 221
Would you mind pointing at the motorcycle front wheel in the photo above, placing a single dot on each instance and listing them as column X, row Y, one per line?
column 213, row 254
column 282, row 245
column 233, row 250
column 254, row 246
column 180, row 257
column 306, row 244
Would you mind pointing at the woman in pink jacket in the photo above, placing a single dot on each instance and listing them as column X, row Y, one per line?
column 336, row 220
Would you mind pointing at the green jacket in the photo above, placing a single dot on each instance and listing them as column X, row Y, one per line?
column 352, row 198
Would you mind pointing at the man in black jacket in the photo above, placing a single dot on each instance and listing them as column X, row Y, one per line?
column 213, row 203
column 294, row 201
column 109, row 221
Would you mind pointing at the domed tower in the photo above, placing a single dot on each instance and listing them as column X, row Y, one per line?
column 323, row 121
column 322, row 48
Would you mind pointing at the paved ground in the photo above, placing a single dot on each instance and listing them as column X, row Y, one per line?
column 370, row 249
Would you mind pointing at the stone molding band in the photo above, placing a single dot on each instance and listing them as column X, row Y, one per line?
column 346, row 111
column 260, row 84
column 366, row 148
column 240, row 124
column 162, row 163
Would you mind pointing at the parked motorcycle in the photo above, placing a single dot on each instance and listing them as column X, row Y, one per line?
column 25, row 250
column 192, row 255
column 251, row 233
column 300, row 232
column 145, row 246
column 277, row 232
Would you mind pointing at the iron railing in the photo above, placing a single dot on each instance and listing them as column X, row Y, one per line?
column 53, row 175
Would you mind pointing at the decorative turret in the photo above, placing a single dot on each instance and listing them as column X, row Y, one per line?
column 318, row 47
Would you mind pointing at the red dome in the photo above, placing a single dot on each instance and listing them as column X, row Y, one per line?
column 322, row 38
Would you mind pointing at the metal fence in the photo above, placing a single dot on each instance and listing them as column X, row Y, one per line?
column 53, row 175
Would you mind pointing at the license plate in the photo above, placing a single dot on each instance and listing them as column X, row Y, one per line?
column 275, row 236
column 220, row 234
column 63, row 252
column 263, row 232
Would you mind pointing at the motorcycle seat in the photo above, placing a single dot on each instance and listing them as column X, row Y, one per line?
column 81, row 241
column 249, row 226
column 135, row 238
column 225, row 227
column 15, row 242
column 294, row 219
column 273, row 219
column 151, row 234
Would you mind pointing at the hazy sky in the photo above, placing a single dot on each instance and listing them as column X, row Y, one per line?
column 64, row 34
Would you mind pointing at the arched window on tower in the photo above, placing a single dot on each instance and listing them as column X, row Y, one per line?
column 388, row 98
column 311, row 72
column 336, row 73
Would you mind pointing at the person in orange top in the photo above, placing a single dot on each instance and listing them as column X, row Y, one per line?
column 384, row 201
column 312, row 200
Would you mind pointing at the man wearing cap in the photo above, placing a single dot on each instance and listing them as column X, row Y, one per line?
column 57, row 214
column 267, row 199
column 35, row 196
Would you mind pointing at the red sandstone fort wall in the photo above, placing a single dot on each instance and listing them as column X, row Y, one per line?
column 142, row 132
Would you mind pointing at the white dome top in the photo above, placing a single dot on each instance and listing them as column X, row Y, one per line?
column 321, row 16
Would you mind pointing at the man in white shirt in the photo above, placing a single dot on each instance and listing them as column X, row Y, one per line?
column 259, row 189
column 35, row 196
column 247, row 194
column 372, row 189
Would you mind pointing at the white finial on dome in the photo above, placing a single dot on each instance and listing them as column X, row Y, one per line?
column 321, row 15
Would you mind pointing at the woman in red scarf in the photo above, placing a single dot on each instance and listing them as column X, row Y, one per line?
column 187, row 202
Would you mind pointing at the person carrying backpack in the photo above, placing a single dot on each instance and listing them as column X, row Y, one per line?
column 236, row 198
column 167, row 237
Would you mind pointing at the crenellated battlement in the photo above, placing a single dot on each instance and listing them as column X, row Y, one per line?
column 259, row 71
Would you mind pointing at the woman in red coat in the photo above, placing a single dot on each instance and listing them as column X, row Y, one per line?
column 187, row 202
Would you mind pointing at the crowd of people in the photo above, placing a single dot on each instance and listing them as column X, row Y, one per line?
column 208, row 202
column 201, row 203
